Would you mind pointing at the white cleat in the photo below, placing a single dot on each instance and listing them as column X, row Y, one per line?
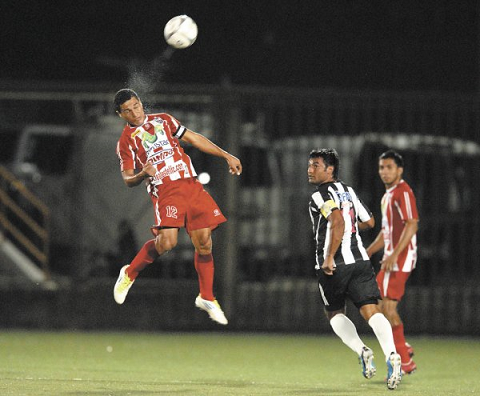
column 212, row 308
column 394, row 371
column 367, row 362
column 122, row 286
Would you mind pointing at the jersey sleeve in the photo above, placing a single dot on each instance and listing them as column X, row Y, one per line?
column 406, row 204
column 125, row 154
column 325, row 204
column 363, row 212
column 178, row 130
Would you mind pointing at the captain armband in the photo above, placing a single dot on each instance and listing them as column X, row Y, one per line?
column 180, row 132
column 328, row 207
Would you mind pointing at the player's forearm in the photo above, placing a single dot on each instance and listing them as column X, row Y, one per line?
column 133, row 180
column 333, row 246
column 204, row 144
column 337, row 228
column 335, row 242
column 410, row 229
column 376, row 245
column 366, row 225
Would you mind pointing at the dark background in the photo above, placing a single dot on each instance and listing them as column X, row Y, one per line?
column 349, row 51
column 375, row 44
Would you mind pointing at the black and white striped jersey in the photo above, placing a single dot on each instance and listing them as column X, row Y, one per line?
column 338, row 196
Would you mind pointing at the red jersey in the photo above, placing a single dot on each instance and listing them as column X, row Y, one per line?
column 399, row 205
column 156, row 140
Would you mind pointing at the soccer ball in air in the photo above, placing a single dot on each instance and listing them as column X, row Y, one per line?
column 180, row 31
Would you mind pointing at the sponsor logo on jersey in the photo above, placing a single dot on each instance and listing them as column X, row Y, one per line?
column 167, row 171
column 157, row 139
column 148, row 139
column 159, row 129
column 137, row 131
column 159, row 120
column 159, row 144
column 161, row 156
column 344, row 196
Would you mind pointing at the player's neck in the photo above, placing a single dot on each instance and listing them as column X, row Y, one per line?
column 136, row 126
column 393, row 184
column 331, row 180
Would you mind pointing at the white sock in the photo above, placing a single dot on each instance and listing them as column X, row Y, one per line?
column 383, row 330
column 346, row 330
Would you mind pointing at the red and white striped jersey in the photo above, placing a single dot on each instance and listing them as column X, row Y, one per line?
column 156, row 140
column 399, row 205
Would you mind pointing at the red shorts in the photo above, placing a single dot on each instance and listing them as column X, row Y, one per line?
column 184, row 203
column 392, row 284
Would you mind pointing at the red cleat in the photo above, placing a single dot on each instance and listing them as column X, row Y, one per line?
column 409, row 368
column 410, row 350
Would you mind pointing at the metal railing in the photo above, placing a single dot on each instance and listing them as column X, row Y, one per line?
column 24, row 219
column 292, row 122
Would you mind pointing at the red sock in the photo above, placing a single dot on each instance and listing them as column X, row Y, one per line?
column 205, row 270
column 399, row 339
column 145, row 256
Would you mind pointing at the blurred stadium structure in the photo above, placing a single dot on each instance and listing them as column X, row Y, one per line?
column 59, row 142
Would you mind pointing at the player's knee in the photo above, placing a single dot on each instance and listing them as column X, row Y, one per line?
column 389, row 306
column 390, row 314
column 165, row 244
column 204, row 249
column 204, row 252
column 331, row 314
column 203, row 245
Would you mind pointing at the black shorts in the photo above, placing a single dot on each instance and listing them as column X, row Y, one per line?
column 354, row 281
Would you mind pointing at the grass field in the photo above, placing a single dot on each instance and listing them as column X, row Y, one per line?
column 119, row 364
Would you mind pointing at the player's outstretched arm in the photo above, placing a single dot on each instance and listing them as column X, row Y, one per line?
column 133, row 179
column 207, row 146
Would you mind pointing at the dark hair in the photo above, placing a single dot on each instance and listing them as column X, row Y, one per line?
column 392, row 154
column 330, row 158
column 122, row 96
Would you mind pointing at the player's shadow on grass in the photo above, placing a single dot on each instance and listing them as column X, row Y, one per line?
column 197, row 388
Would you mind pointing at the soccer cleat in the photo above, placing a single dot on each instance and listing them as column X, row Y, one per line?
column 409, row 368
column 212, row 308
column 122, row 286
column 410, row 350
column 394, row 371
column 368, row 365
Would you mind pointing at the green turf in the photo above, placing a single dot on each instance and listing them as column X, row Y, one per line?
column 69, row 363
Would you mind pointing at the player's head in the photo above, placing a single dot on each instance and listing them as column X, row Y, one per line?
column 323, row 166
column 122, row 96
column 129, row 106
column 390, row 168
column 392, row 154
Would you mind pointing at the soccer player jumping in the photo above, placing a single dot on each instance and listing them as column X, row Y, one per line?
column 343, row 267
column 150, row 152
column 398, row 240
